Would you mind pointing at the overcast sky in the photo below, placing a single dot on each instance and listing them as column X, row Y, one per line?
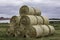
column 50, row 8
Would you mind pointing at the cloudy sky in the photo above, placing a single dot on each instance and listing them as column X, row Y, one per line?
column 49, row 8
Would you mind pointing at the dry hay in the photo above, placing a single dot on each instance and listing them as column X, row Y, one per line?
column 27, row 10
column 34, row 20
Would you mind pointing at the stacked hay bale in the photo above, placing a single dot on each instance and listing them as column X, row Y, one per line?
column 14, row 25
column 34, row 20
column 27, row 10
column 30, row 23
column 35, row 25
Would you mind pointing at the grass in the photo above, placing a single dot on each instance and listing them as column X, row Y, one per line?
column 3, row 36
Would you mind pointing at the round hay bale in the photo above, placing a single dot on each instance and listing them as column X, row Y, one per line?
column 28, row 19
column 45, row 30
column 16, row 33
column 52, row 29
column 10, row 31
column 13, row 34
column 34, row 20
column 39, row 20
column 14, row 21
column 27, row 10
column 35, row 31
column 20, row 30
column 45, row 20
column 14, row 24
column 37, row 11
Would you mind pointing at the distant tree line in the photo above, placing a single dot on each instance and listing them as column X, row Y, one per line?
column 2, row 18
column 54, row 19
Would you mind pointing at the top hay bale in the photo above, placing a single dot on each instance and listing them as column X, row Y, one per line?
column 27, row 10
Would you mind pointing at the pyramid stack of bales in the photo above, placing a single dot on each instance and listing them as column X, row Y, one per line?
column 30, row 23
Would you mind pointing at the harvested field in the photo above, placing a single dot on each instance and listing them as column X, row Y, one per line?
column 3, row 36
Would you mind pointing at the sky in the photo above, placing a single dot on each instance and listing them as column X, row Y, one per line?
column 49, row 8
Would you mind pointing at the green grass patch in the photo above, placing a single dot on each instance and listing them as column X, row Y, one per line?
column 3, row 35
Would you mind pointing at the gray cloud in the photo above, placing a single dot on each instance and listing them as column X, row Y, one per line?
column 50, row 8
